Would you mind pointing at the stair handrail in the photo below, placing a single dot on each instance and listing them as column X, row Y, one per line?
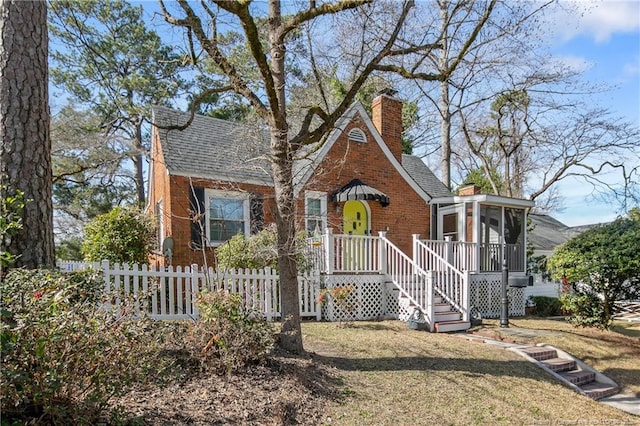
column 455, row 292
column 413, row 282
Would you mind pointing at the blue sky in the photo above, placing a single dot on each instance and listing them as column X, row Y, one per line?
column 603, row 39
column 599, row 37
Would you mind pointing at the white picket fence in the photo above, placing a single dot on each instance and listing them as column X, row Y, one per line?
column 170, row 293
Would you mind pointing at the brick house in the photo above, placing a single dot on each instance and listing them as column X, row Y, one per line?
column 212, row 181
column 221, row 165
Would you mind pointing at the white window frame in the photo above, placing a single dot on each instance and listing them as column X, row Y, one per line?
column 235, row 195
column 315, row 195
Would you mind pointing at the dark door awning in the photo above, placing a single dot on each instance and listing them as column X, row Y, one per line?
column 358, row 190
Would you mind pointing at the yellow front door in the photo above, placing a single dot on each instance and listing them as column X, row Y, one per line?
column 355, row 221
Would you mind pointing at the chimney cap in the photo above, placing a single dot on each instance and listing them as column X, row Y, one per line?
column 387, row 91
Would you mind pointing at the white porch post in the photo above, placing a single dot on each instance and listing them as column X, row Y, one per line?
column 416, row 251
column 466, row 297
column 430, row 299
column 328, row 251
column 449, row 250
column 382, row 251
column 475, row 264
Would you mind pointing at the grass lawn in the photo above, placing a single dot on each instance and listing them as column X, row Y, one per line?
column 390, row 375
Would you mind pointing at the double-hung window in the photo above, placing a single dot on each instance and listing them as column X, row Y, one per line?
column 227, row 215
column 315, row 212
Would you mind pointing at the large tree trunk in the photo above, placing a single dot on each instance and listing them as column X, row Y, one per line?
column 291, row 335
column 25, row 152
column 445, row 134
column 445, row 102
column 282, row 166
column 138, row 166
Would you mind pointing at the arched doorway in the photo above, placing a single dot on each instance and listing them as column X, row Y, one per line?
column 355, row 218
column 355, row 221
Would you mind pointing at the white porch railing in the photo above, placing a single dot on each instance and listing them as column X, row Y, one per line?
column 449, row 282
column 412, row 281
column 483, row 257
column 458, row 253
column 350, row 253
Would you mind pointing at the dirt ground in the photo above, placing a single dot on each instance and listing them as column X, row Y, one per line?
column 285, row 391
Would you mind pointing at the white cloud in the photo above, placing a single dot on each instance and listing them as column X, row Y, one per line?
column 596, row 19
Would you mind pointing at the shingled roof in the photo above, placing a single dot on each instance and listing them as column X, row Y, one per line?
column 212, row 148
column 424, row 177
column 217, row 149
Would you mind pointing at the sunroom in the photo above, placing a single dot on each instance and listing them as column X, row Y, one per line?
column 476, row 232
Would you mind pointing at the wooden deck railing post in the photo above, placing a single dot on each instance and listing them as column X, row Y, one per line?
column 449, row 249
column 430, row 308
column 466, row 297
column 382, row 251
column 328, row 249
column 417, row 258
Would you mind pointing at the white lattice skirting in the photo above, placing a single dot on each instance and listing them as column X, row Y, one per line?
column 485, row 295
column 370, row 299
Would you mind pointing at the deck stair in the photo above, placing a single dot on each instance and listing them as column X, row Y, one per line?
column 446, row 319
column 571, row 371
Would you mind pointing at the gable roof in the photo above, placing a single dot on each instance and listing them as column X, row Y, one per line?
column 547, row 232
column 418, row 176
column 212, row 148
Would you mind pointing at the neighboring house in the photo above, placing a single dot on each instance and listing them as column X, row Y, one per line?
column 367, row 199
column 547, row 234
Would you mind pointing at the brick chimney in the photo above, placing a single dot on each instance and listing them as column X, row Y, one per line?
column 470, row 189
column 386, row 111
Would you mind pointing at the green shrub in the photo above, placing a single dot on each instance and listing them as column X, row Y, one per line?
column 226, row 337
column 258, row 251
column 547, row 306
column 63, row 357
column 584, row 309
column 11, row 206
column 122, row 235
column 604, row 261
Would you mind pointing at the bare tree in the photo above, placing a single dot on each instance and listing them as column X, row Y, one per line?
column 536, row 141
column 480, row 55
column 378, row 36
column 25, row 150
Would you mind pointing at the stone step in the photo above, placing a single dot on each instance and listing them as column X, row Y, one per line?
column 579, row 377
column 597, row 390
column 559, row 364
column 448, row 326
column 540, row 353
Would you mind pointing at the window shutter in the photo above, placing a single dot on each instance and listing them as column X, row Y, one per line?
column 197, row 214
column 256, row 213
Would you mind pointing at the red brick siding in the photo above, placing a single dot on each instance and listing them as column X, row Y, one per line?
column 387, row 119
column 407, row 212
